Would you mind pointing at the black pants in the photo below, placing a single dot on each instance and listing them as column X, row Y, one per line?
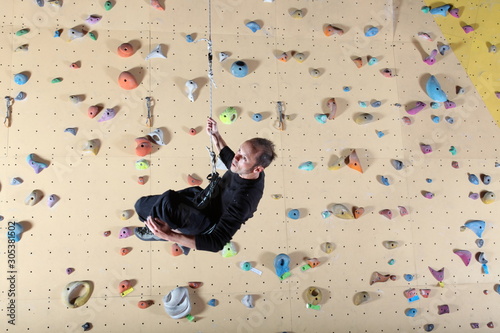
column 177, row 210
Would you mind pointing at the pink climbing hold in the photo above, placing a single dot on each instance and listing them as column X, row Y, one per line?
column 403, row 211
column 125, row 232
column 438, row 275
column 449, row 105
column 464, row 255
column 468, row 29
column 387, row 213
column 443, row 309
column 107, row 115
column 431, row 59
column 406, row 120
column 419, row 106
column 455, row 12
column 428, row 195
column 426, row 149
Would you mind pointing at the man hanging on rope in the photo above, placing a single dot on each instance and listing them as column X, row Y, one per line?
column 174, row 216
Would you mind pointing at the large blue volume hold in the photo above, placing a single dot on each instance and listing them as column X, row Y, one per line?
column 434, row 90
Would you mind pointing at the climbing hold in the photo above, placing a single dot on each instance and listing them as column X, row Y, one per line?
column 141, row 164
column 108, row 5
column 22, row 32
column 473, row 179
column 454, row 164
column 490, row 324
column 71, row 130
column 157, row 137
column 308, row 166
column 300, row 57
column 330, row 30
column 492, row 49
column 327, row 247
column 480, row 258
column 157, row 52
column 434, row 90
column 441, row 10
column 468, row 29
column 145, row 304
column 464, row 255
column 294, row 214
column 449, row 105
column 69, row 270
column 156, row 5
column 52, row 200
column 312, row 262
column 408, row 277
column 337, row 163
column 257, row 117
column 57, row 33
column 93, row 35
column 144, row 147
column 479, row 242
column 127, row 81
column 239, row 69
column 176, row 303
column 438, row 275
column 363, row 118
column 326, row 214
column 125, row 250
column 246, row 266
column 283, row 57
column 352, row 161
column 332, row 105
column 426, row 149
column 125, row 50
column 253, row 26
column 474, row 196
column 486, row 179
column 92, row 111
column 477, row 226
column 474, row 325
column 75, row 98
column 107, row 233
column 428, row 327
column 223, row 56
column 191, row 87
column 435, row 105
column 419, row 106
column 397, row 164
column 357, row 212
column 427, row 194
column 453, row 150
column 192, row 131
column 341, row 211
column 431, row 59
column 387, row 213
column 443, row 309
column 16, row 181
column 110, row 113
column 91, row 146
column 194, row 181
column 435, row 119
column 387, row 72
column 125, row 232
column 488, row 197
column 56, row 80
column 315, row 73
column 20, row 78
column 229, row 115
column 75, row 33
column 425, row 293
column 375, row 104
column 390, row 245
column 443, row 49
column 37, row 166
column 124, row 287
column 371, row 31
column 313, row 295
column 406, row 120
column 297, row 14
column 384, row 181
column 454, row 12
column 377, row 277
column 425, row 9
column 449, row 119
column 361, row 297
column 411, row 312
column 402, row 211
column 212, row 302
column 195, row 285
column 126, row 214
column 346, row 88
column 93, row 19
column 358, row 62
column 73, row 289
column 428, row 180
column 23, row 47
column 248, row 301
column 176, row 250
column 411, row 295
column 189, row 39
column 229, row 250
column 141, row 180
column 20, row 96
column 15, row 233
column 282, row 266
column 362, row 104
column 372, row 60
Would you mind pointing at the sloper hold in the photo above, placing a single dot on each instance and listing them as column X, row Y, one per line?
column 127, row 81
column 125, row 50
column 488, row 197
column 92, row 111
column 110, row 113
column 352, row 161
column 477, row 226
column 464, row 255
column 33, row 198
column 363, row 118
column 371, row 31
column 297, row 14
column 387, row 213
column 438, row 275
column 37, row 166
column 434, row 90
column 157, row 52
column 441, row 10
column 91, row 146
column 342, row 212
column 361, row 297
column 313, row 295
column 143, row 147
column 473, row 179
column 390, row 245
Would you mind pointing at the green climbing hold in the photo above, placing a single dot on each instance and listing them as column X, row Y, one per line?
column 56, row 80
column 229, row 250
column 22, row 32
column 229, row 115
column 92, row 36
column 108, row 5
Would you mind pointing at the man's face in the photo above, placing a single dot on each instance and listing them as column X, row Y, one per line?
column 244, row 160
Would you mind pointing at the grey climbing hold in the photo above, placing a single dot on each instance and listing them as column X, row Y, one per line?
column 449, row 120
column 176, row 303
column 248, row 301
column 479, row 242
column 363, row 118
column 75, row 33
column 376, row 104
column 16, row 181
column 71, row 130
column 157, row 52
column 20, row 96
column 486, row 179
column 397, row 164
column 492, row 49
column 223, row 56
column 443, row 49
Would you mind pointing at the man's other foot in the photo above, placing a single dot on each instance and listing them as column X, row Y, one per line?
column 143, row 233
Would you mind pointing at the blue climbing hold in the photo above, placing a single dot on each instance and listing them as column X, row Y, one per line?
column 370, row 32
column 429, row 327
column 384, row 181
column 428, row 180
column 408, row 277
column 449, row 119
column 486, row 179
column 380, row 134
column 485, row 269
column 15, row 233
column 362, row 104
column 308, row 166
column 397, row 164
column 239, row 69
column 282, row 266
column 376, row 104
column 189, row 39
column 435, row 105
column 20, row 96
column 473, row 179
column 254, row 26
column 20, row 78
column 16, row 181
column 412, row 312
column 434, row 90
column 441, row 10
column 372, row 61
column 321, row 118
column 477, row 226
column 257, row 117
column 294, row 214
column 436, row 119
column 497, row 288
column 443, row 49
column 212, row 302
column 346, row 89
column 57, row 33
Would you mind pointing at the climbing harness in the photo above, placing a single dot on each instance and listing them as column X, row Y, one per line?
column 8, row 101
column 149, row 119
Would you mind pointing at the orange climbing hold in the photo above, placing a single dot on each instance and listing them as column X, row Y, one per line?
column 194, row 181
column 156, row 5
column 357, row 212
column 125, row 250
column 92, row 111
column 125, row 50
column 330, row 30
column 283, row 57
column 144, row 147
column 127, row 81
column 145, row 304
column 352, row 161
column 358, row 62
column 124, row 285
column 176, row 250
column 141, row 180
column 313, row 262
column 195, row 285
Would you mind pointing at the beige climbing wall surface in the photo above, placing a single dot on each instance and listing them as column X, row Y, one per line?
column 95, row 190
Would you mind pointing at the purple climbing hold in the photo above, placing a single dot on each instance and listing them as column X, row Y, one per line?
column 464, row 255
column 426, row 149
column 125, row 232
column 443, row 309
column 428, row 195
column 474, row 325
column 455, row 12
column 37, row 166
column 107, row 115
column 52, row 200
column 468, row 29
column 69, row 270
column 431, row 59
column 474, row 196
column 93, row 19
column 438, row 275
column 419, row 106
column 449, row 105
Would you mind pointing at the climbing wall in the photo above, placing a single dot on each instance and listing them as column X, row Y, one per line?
column 436, row 189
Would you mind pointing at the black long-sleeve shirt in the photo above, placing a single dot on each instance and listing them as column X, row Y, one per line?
column 238, row 200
